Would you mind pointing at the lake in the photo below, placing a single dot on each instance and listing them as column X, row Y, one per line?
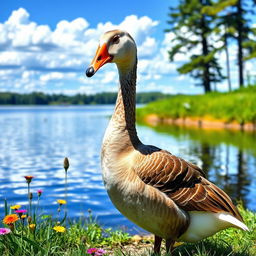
column 34, row 141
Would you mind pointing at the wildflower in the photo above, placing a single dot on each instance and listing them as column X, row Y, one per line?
column 96, row 252
column 66, row 164
column 4, row 231
column 59, row 229
column 28, row 178
column 32, row 227
column 100, row 252
column 39, row 192
column 20, row 212
column 15, row 207
column 10, row 219
column 23, row 216
column 61, row 202
column 92, row 251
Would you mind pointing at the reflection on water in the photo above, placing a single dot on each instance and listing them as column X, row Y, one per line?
column 227, row 157
column 35, row 140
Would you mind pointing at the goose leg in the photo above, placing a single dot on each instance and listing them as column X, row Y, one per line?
column 169, row 246
column 157, row 244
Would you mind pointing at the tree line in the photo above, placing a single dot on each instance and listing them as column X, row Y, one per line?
column 39, row 98
column 208, row 27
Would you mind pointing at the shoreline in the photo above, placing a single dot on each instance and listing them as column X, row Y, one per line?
column 199, row 122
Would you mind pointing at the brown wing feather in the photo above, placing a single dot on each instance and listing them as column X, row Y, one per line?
column 184, row 183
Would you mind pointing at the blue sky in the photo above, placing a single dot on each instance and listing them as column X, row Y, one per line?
column 51, row 12
column 46, row 46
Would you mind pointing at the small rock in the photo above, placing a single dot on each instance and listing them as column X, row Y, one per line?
column 136, row 238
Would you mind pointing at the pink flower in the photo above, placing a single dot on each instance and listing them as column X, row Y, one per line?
column 96, row 252
column 21, row 211
column 4, row 231
column 100, row 252
column 92, row 250
column 39, row 192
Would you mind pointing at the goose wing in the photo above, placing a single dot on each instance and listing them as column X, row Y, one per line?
column 183, row 182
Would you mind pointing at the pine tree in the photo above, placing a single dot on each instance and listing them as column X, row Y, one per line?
column 192, row 30
column 223, row 27
column 237, row 23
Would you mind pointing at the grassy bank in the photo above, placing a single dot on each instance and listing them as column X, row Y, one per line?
column 25, row 231
column 238, row 106
column 86, row 236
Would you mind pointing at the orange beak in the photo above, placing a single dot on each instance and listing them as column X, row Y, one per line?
column 101, row 57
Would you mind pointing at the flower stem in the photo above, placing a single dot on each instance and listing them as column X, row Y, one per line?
column 29, row 200
column 66, row 192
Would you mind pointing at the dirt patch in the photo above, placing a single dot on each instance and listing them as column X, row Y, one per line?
column 139, row 246
column 204, row 123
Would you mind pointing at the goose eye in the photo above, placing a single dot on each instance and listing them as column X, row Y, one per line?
column 116, row 39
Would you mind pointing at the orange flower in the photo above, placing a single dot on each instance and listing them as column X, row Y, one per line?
column 9, row 219
column 28, row 178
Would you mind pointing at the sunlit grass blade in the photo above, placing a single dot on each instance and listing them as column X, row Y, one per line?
column 33, row 243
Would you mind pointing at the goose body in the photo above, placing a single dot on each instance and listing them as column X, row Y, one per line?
column 156, row 190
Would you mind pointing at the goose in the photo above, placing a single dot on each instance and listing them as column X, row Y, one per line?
column 158, row 191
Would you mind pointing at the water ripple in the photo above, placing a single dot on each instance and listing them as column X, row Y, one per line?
column 35, row 141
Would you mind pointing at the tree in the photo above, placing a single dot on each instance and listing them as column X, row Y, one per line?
column 237, row 26
column 192, row 29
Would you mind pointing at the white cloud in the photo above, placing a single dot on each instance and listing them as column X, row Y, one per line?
column 36, row 57
column 20, row 16
column 51, row 76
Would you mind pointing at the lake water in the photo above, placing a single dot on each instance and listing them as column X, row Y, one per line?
column 35, row 140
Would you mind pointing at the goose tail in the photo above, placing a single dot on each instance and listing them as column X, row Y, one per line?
column 234, row 221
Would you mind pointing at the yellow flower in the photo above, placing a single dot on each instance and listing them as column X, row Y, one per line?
column 32, row 226
column 24, row 216
column 59, row 229
column 61, row 202
column 15, row 207
column 9, row 219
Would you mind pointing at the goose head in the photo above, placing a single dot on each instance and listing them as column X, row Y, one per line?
column 115, row 46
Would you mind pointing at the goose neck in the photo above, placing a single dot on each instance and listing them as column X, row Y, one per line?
column 125, row 114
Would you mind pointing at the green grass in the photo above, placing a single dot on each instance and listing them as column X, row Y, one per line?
column 76, row 237
column 239, row 105
column 86, row 233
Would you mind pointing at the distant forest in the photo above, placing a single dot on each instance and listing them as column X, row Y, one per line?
column 39, row 98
